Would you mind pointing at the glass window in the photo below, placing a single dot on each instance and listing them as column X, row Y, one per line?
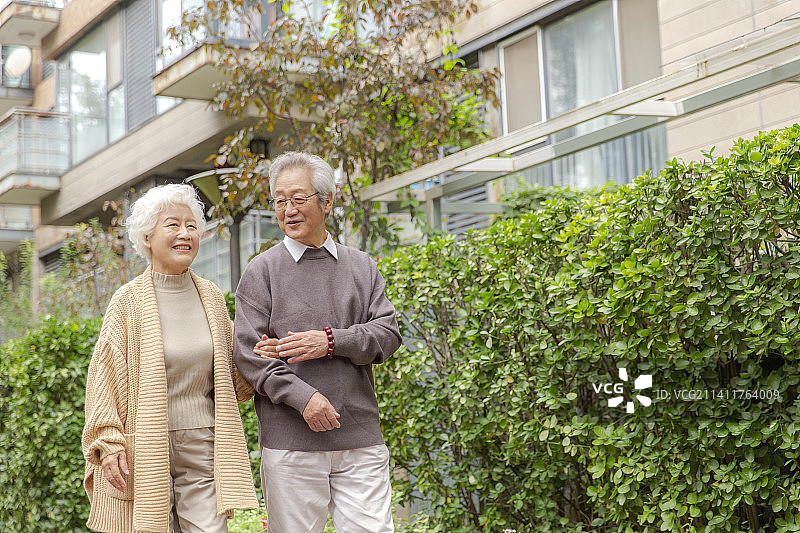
column 170, row 13
column 213, row 259
column 16, row 217
column 580, row 68
column 579, row 58
column 114, row 57
column 521, row 88
column 116, row 113
column 62, row 91
column 616, row 161
column 90, row 87
column 88, row 94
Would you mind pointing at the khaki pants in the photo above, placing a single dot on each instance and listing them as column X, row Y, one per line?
column 193, row 498
column 301, row 488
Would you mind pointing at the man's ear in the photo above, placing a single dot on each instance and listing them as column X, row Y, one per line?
column 328, row 203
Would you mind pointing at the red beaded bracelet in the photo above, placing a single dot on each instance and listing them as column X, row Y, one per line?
column 331, row 344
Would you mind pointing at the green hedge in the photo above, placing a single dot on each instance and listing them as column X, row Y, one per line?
column 42, row 386
column 692, row 277
column 524, row 198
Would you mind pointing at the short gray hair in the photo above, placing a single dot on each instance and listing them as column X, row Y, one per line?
column 145, row 212
column 322, row 178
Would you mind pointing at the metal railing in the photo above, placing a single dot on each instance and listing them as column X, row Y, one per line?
column 34, row 142
column 16, row 217
column 42, row 3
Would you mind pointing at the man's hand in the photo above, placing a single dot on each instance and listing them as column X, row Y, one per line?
column 303, row 346
column 320, row 414
column 266, row 348
column 113, row 468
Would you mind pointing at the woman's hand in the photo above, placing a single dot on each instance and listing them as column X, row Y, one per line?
column 266, row 348
column 113, row 468
column 301, row 346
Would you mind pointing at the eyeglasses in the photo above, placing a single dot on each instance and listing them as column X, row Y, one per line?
column 279, row 204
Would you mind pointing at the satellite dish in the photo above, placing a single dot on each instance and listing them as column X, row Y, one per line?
column 18, row 62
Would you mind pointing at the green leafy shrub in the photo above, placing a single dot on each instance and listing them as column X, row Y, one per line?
column 42, row 388
column 248, row 521
column 525, row 198
column 495, row 407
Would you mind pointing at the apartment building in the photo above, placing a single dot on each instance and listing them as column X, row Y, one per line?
column 83, row 123
column 95, row 103
column 599, row 91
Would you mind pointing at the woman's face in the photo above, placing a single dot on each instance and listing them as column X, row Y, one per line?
column 174, row 241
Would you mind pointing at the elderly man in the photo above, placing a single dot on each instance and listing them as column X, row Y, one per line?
column 311, row 320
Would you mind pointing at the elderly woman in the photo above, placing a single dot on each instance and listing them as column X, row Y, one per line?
column 163, row 439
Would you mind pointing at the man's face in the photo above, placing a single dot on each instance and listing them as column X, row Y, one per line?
column 304, row 223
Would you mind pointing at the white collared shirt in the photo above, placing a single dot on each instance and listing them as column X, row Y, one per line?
column 297, row 249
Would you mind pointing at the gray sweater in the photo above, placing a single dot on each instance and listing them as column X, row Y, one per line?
column 277, row 295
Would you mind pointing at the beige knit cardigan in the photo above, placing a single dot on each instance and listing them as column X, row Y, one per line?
column 126, row 408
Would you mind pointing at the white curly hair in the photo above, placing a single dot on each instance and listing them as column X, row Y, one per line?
column 145, row 212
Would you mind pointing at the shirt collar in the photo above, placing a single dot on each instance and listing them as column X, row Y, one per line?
column 297, row 249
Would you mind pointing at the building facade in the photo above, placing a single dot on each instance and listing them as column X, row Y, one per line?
column 599, row 91
column 97, row 104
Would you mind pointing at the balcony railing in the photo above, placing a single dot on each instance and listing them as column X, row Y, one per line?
column 38, row 3
column 34, row 152
column 16, row 217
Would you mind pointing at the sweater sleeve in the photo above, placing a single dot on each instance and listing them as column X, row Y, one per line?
column 373, row 341
column 106, row 398
column 269, row 377
column 244, row 391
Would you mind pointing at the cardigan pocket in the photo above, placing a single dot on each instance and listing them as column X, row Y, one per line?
column 107, row 487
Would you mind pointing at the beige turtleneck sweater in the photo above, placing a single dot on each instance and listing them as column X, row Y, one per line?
column 188, row 352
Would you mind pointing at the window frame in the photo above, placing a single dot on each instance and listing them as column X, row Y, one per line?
column 64, row 78
column 541, row 29
column 501, row 46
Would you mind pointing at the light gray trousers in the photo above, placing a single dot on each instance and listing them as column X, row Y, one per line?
column 301, row 488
